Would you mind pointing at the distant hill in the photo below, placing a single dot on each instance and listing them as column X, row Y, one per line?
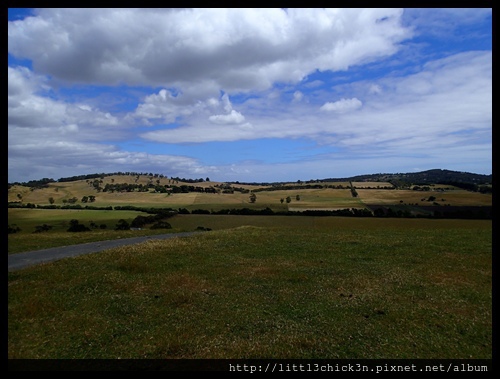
column 458, row 178
column 421, row 178
column 466, row 180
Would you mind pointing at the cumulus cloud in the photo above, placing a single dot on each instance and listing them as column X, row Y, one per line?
column 342, row 105
column 164, row 107
column 274, row 64
column 232, row 117
column 240, row 49
column 30, row 107
column 398, row 117
column 22, row 81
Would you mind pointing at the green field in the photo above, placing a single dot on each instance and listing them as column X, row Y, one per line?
column 59, row 220
column 253, row 286
column 300, row 287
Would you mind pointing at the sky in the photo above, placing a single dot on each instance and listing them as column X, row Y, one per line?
column 248, row 95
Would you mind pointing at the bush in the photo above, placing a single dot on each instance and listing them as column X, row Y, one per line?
column 122, row 225
column 200, row 211
column 201, row 228
column 139, row 221
column 161, row 225
column 75, row 226
column 42, row 228
column 13, row 229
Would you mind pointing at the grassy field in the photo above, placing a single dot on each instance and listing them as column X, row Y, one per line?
column 455, row 198
column 327, row 287
column 301, row 199
column 59, row 219
column 253, row 286
column 324, row 198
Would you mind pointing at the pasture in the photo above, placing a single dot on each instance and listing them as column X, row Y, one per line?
column 303, row 287
column 253, row 286
column 300, row 199
column 59, row 220
column 455, row 197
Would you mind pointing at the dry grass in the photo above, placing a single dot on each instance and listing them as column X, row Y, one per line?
column 309, row 198
column 371, row 184
column 454, row 198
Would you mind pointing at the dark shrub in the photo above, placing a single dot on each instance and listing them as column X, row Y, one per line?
column 42, row 228
column 13, row 229
column 75, row 226
column 122, row 225
column 161, row 225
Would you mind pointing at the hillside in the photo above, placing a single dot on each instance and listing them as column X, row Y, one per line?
column 363, row 196
column 416, row 178
column 422, row 177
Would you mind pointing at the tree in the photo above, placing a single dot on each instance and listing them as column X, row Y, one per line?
column 51, row 200
column 207, row 179
column 13, row 229
column 122, row 225
column 288, row 199
column 97, row 184
column 161, row 225
column 85, row 199
column 42, row 228
column 253, row 197
column 297, row 197
column 282, row 200
column 75, row 226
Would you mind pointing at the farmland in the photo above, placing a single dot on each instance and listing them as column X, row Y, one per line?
column 67, row 202
column 283, row 285
column 328, row 287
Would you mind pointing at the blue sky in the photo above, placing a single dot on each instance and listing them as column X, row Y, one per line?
column 249, row 95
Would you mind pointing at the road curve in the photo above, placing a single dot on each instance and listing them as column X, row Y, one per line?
column 22, row 260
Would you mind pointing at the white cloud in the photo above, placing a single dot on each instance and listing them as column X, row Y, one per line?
column 163, row 106
column 375, row 89
column 32, row 113
column 342, row 106
column 230, row 117
column 443, row 22
column 227, row 119
column 460, row 102
column 189, row 57
column 238, row 48
column 298, row 96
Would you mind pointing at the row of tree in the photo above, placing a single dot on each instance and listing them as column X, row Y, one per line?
column 157, row 221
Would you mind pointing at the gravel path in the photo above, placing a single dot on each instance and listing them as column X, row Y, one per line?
column 30, row 258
